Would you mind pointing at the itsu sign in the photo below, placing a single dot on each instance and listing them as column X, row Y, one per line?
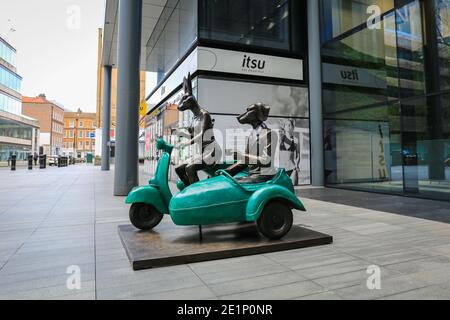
column 249, row 64
column 236, row 62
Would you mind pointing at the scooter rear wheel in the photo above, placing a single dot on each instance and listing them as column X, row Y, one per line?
column 144, row 216
column 276, row 220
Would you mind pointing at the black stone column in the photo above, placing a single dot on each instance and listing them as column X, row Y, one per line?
column 128, row 95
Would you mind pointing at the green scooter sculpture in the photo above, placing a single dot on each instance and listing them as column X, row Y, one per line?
column 218, row 200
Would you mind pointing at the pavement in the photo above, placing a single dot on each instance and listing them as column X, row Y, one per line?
column 59, row 225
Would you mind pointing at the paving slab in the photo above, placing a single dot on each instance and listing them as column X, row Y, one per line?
column 65, row 216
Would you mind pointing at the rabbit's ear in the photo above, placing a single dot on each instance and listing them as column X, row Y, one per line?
column 185, row 85
column 189, row 84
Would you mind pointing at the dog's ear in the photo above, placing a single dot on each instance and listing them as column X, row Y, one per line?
column 263, row 112
column 266, row 112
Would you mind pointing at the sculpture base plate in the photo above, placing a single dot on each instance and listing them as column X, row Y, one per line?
column 170, row 245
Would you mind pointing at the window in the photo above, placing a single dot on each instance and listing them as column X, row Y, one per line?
column 71, row 134
column 10, row 104
column 80, row 144
column 71, row 124
column 80, row 134
column 88, row 134
column 87, row 144
column 7, row 53
column 80, row 124
column 173, row 36
column 386, row 120
column 9, row 79
column 256, row 23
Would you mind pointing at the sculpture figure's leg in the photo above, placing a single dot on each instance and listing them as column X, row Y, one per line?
column 191, row 171
column 181, row 172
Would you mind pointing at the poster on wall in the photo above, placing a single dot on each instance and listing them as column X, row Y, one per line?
column 232, row 97
column 357, row 151
column 292, row 150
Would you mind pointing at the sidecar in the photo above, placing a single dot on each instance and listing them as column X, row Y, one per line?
column 223, row 199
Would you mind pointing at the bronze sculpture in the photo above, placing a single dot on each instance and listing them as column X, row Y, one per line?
column 258, row 155
column 200, row 135
column 249, row 191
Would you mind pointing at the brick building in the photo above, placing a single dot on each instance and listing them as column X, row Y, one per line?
column 51, row 119
column 79, row 133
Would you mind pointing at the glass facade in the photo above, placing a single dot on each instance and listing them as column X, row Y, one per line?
column 174, row 33
column 386, row 78
column 7, row 53
column 9, row 79
column 264, row 25
column 10, row 104
column 254, row 23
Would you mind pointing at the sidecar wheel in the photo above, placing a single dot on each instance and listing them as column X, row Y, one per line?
column 144, row 216
column 276, row 220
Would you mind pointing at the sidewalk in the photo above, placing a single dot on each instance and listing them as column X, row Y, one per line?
column 60, row 217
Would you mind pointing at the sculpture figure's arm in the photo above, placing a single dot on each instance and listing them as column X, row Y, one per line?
column 264, row 158
column 206, row 124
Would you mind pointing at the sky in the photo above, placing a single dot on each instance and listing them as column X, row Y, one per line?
column 56, row 42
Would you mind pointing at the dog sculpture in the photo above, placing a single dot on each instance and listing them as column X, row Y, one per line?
column 258, row 155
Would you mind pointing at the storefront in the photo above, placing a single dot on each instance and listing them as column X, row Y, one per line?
column 384, row 71
column 386, row 99
column 239, row 58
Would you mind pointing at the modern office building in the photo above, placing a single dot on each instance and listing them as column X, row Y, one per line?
column 51, row 118
column 79, row 133
column 19, row 134
column 359, row 89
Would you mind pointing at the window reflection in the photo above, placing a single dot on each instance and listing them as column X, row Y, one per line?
column 10, row 104
column 9, row 79
column 7, row 54
column 442, row 9
column 387, row 125
column 261, row 23
column 174, row 33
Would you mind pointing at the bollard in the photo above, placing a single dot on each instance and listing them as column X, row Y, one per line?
column 41, row 161
column 45, row 161
column 13, row 162
column 30, row 162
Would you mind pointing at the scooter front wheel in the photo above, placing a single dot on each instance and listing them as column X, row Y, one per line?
column 144, row 216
